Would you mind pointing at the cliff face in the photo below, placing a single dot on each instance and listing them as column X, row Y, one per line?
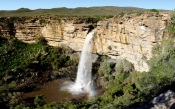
column 130, row 37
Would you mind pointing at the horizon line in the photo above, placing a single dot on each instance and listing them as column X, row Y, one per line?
column 81, row 7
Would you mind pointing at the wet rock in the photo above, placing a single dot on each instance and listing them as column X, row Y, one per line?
column 94, row 58
column 54, row 74
column 64, row 72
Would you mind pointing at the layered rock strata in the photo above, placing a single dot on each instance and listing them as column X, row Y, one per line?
column 130, row 37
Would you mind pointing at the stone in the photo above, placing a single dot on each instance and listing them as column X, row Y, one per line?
column 130, row 37
column 165, row 100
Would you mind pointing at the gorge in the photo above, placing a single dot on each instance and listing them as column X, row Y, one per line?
column 134, row 40
column 130, row 37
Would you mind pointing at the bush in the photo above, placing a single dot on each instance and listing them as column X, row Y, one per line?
column 18, row 55
column 125, row 86
column 161, row 66
column 154, row 10
column 170, row 25
column 20, row 62
column 163, row 53
column 41, row 40
column 172, row 28
column 123, row 70
column 121, row 14
column 21, row 106
column 124, row 66
column 105, row 68
column 39, row 101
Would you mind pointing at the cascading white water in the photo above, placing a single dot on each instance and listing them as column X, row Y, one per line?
column 83, row 83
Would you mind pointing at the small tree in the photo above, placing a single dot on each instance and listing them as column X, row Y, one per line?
column 39, row 100
column 154, row 10
column 172, row 29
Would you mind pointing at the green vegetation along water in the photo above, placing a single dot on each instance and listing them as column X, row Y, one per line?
column 52, row 92
column 24, row 66
column 124, row 86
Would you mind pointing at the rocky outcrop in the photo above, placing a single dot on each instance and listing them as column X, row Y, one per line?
column 164, row 101
column 130, row 37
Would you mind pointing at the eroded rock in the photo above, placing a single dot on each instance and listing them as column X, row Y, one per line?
column 130, row 37
column 165, row 100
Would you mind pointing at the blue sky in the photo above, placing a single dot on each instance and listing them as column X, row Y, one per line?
column 35, row 4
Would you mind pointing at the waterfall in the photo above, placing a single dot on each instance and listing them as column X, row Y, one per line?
column 83, row 83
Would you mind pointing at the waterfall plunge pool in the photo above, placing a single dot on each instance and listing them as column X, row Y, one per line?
column 62, row 89
column 53, row 92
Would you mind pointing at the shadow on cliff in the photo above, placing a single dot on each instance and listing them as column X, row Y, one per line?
column 172, row 106
column 12, row 30
column 90, row 28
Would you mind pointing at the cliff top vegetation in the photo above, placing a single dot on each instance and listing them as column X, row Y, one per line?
column 80, row 11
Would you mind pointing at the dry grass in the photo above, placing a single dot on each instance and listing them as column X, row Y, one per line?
column 81, row 11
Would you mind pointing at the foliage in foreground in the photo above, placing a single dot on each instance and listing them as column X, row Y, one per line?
column 129, row 88
column 21, row 62
column 125, row 87
column 18, row 55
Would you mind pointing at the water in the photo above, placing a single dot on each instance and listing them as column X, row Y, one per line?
column 82, row 88
column 83, row 83
column 52, row 92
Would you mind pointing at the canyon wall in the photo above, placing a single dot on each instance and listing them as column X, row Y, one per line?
column 130, row 37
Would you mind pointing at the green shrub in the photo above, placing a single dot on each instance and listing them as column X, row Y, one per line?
column 161, row 67
column 128, row 66
column 41, row 40
column 139, row 13
column 124, row 66
column 105, row 68
column 121, row 14
column 19, row 60
column 172, row 27
column 96, row 19
column 17, row 55
column 123, row 69
column 154, row 10
column 21, row 106
column 125, row 86
column 39, row 101
column 119, row 67
column 163, row 53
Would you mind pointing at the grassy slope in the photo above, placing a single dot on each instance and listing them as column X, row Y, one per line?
column 81, row 11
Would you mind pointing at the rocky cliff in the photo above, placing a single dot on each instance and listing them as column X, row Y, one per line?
column 129, row 37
